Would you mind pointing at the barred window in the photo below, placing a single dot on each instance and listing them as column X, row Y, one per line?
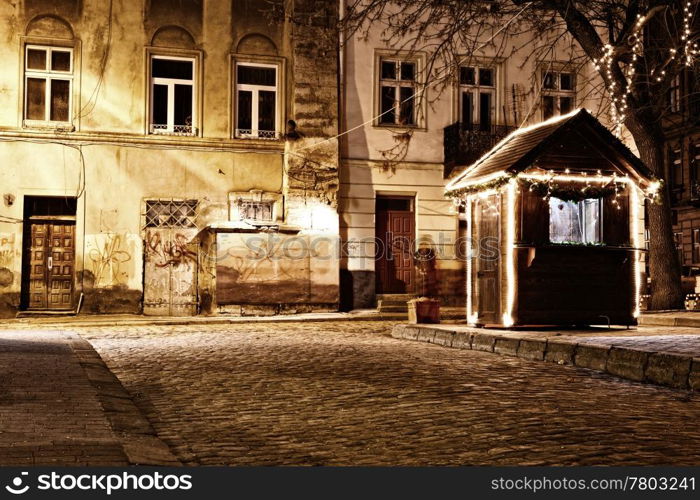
column 255, row 210
column 171, row 213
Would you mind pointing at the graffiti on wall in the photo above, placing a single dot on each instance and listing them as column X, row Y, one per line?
column 108, row 254
column 171, row 252
column 7, row 249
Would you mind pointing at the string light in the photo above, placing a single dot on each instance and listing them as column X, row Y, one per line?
column 472, row 318
column 510, row 254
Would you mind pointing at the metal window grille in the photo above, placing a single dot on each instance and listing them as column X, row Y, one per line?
column 255, row 210
column 171, row 213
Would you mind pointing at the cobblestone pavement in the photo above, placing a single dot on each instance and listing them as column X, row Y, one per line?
column 347, row 393
column 49, row 411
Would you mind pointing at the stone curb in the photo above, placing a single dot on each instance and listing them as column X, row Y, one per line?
column 660, row 368
column 79, row 322
column 669, row 321
column 139, row 441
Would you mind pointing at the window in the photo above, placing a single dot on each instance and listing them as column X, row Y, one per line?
column 575, row 222
column 173, row 95
column 48, row 80
column 255, row 210
column 676, row 167
column 674, row 95
column 477, row 86
column 397, row 92
column 558, row 93
column 696, row 246
column 256, row 206
column 172, row 213
column 257, row 102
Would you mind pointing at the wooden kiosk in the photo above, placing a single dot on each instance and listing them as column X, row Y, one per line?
column 555, row 227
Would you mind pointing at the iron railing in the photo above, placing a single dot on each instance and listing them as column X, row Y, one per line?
column 466, row 143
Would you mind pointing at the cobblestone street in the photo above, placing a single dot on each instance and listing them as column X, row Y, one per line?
column 346, row 393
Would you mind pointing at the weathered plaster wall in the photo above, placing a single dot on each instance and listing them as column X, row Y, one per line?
column 114, row 166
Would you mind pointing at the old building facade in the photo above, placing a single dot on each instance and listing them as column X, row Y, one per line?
column 232, row 157
column 162, row 157
column 398, row 153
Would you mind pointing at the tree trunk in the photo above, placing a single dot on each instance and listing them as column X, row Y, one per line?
column 664, row 267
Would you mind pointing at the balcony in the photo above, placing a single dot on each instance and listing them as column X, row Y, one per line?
column 466, row 143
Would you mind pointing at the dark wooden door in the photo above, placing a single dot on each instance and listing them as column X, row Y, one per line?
column 394, row 264
column 487, row 213
column 52, row 265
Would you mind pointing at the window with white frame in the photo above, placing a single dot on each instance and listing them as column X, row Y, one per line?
column 477, row 92
column 257, row 101
column 48, row 82
column 173, row 109
column 397, row 92
column 558, row 93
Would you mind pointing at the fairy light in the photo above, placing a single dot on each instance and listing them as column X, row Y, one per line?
column 690, row 49
column 472, row 318
column 636, row 268
column 510, row 254
column 457, row 181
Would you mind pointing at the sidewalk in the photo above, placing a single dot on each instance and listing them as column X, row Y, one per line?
column 447, row 313
column 61, row 406
column 671, row 318
column 656, row 355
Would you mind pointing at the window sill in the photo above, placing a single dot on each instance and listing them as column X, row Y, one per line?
column 390, row 126
column 44, row 126
column 178, row 131
column 264, row 135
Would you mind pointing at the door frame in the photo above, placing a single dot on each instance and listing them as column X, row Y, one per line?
column 412, row 199
column 26, row 260
column 76, row 217
column 478, row 267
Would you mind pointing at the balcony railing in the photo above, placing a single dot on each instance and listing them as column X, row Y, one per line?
column 466, row 143
column 268, row 135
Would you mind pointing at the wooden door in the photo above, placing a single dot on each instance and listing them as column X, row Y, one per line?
column 488, row 289
column 52, row 265
column 170, row 272
column 394, row 264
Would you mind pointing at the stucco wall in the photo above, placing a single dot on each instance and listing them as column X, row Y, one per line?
column 108, row 159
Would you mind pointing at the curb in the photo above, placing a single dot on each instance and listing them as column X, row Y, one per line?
column 669, row 321
column 659, row 368
column 141, row 321
column 138, row 439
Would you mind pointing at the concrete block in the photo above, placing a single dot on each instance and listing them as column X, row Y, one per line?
column 668, row 369
column 462, row 340
column 425, row 334
column 399, row 332
column 627, row 363
column 483, row 342
column 506, row 346
column 561, row 353
column 532, row 349
column 443, row 337
column 594, row 357
column 410, row 333
column 694, row 375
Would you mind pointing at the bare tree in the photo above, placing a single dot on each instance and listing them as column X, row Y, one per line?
column 638, row 47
